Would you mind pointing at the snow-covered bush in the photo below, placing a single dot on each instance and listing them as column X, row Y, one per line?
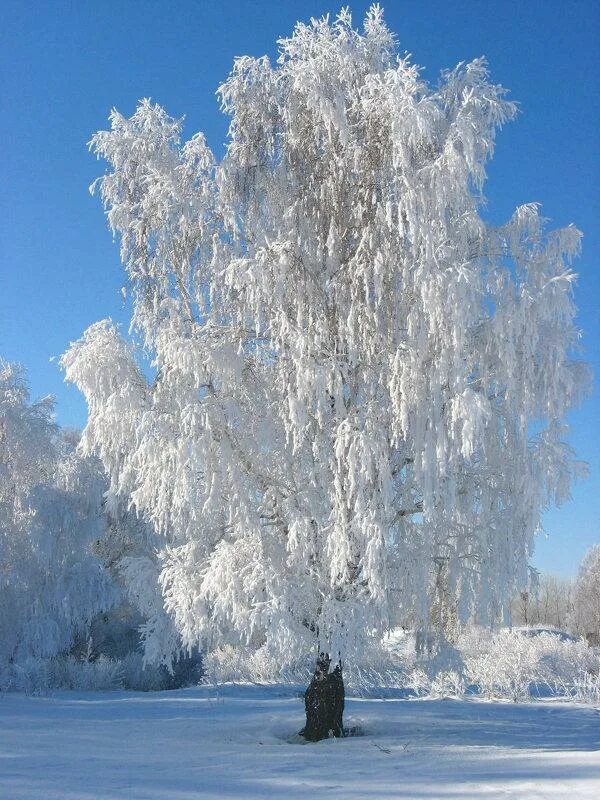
column 586, row 688
column 383, row 666
column 505, row 664
column 103, row 674
column 29, row 675
column 509, row 664
column 506, row 668
column 243, row 664
column 473, row 640
column 138, row 675
column 418, row 682
column 447, row 684
column 563, row 662
column 42, row 675
column 500, row 665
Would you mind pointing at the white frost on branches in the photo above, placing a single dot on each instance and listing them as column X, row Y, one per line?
column 350, row 363
column 585, row 616
column 51, row 584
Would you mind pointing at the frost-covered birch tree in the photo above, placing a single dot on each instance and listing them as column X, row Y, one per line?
column 585, row 617
column 358, row 383
column 51, row 584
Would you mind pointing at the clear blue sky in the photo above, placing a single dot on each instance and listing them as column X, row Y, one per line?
column 63, row 65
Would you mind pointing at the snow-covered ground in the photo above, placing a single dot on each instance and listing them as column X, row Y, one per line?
column 239, row 742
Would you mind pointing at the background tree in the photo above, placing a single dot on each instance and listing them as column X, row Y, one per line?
column 585, row 617
column 79, row 578
column 548, row 602
column 51, row 585
column 347, row 357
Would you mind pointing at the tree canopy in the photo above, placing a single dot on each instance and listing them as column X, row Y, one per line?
column 359, row 384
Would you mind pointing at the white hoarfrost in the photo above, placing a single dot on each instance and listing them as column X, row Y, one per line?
column 51, row 584
column 585, row 615
column 348, row 359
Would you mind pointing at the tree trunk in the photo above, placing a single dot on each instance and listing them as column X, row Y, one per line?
column 324, row 702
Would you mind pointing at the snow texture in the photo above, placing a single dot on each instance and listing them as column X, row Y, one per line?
column 240, row 742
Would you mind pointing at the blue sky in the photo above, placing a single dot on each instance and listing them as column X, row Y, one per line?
column 63, row 65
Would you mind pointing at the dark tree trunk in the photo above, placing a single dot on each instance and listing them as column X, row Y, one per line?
column 324, row 702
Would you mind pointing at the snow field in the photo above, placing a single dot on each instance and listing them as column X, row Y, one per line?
column 241, row 742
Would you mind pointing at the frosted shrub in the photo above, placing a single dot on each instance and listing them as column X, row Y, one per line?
column 586, row 688
column 508, row 664
column 41, row 675
column 447, row 684
column 563, row 663
column 32, row 676
column 474, row 640
column 418, row 682
column 247, row 665
column 137, row 675
column 138, row 678
column 103, row 674
column 229, row 664
column 367, row 679
column 506, row 669
column 383, row 666
column 38, row 676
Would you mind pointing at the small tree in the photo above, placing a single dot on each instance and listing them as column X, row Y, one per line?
column 347, row 357
column 547, row 601
column 586, row 611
